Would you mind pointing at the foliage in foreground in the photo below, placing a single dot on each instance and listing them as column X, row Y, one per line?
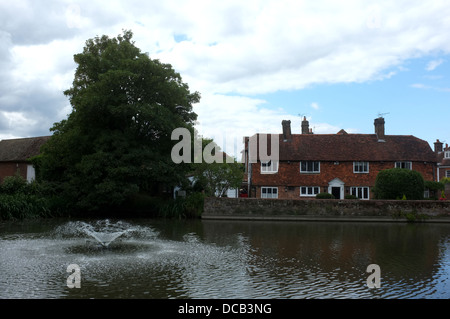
column 20, row 200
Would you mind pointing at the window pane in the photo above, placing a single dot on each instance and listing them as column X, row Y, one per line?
column 274, row 190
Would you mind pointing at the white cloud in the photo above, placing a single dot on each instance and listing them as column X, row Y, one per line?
column 227, row 119
column 315, row 105
column 231, row 50
column 428, row 87
column 420, row 86
column 434, row 64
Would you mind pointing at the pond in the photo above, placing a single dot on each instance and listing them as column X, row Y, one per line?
column 191, row 259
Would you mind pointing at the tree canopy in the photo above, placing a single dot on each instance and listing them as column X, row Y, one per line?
column 117, row 139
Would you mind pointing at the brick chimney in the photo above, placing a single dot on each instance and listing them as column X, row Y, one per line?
column 438, row 146
column 286, row 130
column 305, row 126
column 379, row 129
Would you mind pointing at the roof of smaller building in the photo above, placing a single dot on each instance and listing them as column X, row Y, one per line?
column 21, row 149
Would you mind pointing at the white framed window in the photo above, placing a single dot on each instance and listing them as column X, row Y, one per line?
column 360, row 192
column 309, row 191
column 406, row 165
column 447, row 154
column 269, row 192
column 269, row 167
column 447, row 173
column 360, row 167
column 309, row 167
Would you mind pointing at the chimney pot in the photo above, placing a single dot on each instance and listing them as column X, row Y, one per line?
column 438, row 146
column 305, row 126
column 379, row 129
column 286, row 130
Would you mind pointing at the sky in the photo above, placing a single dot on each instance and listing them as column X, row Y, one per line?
column 340, row 64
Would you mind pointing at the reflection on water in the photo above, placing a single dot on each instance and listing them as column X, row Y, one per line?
column 226, row 259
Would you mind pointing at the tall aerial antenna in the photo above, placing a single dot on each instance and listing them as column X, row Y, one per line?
column 382, row 114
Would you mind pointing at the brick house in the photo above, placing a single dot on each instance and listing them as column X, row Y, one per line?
column 443, row 165
column 341, row 164
column 14, row 156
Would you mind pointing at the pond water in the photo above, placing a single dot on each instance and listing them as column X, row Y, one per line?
column 222, row 259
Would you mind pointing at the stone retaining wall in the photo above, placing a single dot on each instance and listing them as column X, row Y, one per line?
column 326, row 209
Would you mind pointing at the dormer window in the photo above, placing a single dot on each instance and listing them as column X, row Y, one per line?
column 447, row 154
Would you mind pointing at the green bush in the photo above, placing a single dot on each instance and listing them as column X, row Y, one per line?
column 20, row 206
column 14, row 184
column 190, row 206
column 351, row 197
column 20, row 199
column 194, row 205
column 325, row 196
column 434, row 186
column 398, row 183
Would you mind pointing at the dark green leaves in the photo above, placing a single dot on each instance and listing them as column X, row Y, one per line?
column 399, row 183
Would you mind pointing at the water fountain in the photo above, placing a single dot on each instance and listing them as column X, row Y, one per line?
column 104, row 232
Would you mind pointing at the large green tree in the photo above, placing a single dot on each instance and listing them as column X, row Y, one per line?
column 117, row 139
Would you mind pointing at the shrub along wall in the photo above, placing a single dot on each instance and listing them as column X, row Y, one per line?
column 326, row 209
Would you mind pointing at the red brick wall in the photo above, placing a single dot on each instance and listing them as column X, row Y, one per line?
column 10, row 169
column 289, row 175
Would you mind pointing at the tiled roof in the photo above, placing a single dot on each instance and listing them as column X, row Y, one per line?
column 21, row 149
column 353, row 147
